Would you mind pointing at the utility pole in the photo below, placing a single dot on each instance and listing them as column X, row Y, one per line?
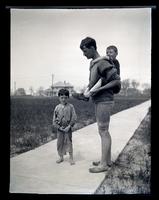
column 52, row 83
column 14, row 87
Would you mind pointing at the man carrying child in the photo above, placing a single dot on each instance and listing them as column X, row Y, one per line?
column 103, row 79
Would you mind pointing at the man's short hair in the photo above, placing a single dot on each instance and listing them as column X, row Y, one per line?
column 88, row 42
column 114, row 48
column 62, row 92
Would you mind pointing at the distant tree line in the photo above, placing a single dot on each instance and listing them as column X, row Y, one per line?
column 128, row 88
column 131, row 88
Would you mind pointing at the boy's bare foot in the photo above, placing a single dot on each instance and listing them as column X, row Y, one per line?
column 60, row 160
column 72, row 162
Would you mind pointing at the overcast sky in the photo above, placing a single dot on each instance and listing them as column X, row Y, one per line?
column 46, row 42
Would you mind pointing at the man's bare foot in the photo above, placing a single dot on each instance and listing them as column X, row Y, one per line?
column 96, row 163
column 98, row 169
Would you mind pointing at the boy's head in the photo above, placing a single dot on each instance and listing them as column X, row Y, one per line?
column 88, row 46
column 112, row 52
column 63, row 95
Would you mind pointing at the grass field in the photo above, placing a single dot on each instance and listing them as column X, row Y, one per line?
column 31, row 119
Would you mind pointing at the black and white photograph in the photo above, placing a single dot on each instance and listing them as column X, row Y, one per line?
column 80, row 100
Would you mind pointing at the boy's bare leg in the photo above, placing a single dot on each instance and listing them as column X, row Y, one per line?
column 60, row 160
column 71, row 159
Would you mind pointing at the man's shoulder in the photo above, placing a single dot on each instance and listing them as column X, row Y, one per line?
column 105, row 62
column 103, row 65
column 103, row 59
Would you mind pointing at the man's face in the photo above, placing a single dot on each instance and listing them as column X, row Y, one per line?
column 88, row 52
column 111, row 54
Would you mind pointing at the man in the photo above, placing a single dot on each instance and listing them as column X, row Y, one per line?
column 103, row 98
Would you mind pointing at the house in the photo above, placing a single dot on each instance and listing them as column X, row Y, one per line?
column 53, row 91
column 20, row 92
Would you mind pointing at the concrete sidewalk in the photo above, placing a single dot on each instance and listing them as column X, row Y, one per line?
column 36, row 171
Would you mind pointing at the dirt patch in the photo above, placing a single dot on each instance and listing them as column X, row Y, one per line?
column 131, row 172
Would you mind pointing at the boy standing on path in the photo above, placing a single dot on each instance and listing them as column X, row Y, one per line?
column 64, row 118
column 103, row 99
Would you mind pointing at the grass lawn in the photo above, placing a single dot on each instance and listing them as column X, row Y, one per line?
column 31, row 119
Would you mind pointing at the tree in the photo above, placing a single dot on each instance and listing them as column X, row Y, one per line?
column 146, row 89
column 40, row 91
column 147, row 92
column 146, row 86
column 20, row 92
column 135, row 84
column 31, row 90
column 125, row 84
column 83, row 89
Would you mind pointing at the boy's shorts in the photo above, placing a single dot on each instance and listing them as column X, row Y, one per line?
column 103, row 112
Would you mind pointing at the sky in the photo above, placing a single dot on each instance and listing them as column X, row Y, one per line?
column 46, row 42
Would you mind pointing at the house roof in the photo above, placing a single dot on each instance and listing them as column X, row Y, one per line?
column 62, row 84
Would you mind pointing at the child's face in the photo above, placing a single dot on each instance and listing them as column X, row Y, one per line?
column 111, row 54
column 63, row 99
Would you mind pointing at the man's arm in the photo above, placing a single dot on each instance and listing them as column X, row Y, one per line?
column 110, row 79
column 109, row 85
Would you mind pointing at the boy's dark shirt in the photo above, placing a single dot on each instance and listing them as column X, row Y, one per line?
column 117, row 65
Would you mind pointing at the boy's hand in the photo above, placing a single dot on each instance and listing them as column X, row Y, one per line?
column 61, row 129
column 94, row 92
column 67, row 129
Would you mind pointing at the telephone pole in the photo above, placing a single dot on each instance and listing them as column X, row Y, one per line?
column 52, row 83
column 14, row 87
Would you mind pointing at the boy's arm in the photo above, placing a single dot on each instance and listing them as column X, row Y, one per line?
column 55, row 121
column 74, row 117
column 107, row 86
column 72, row 121
column 112, row 81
